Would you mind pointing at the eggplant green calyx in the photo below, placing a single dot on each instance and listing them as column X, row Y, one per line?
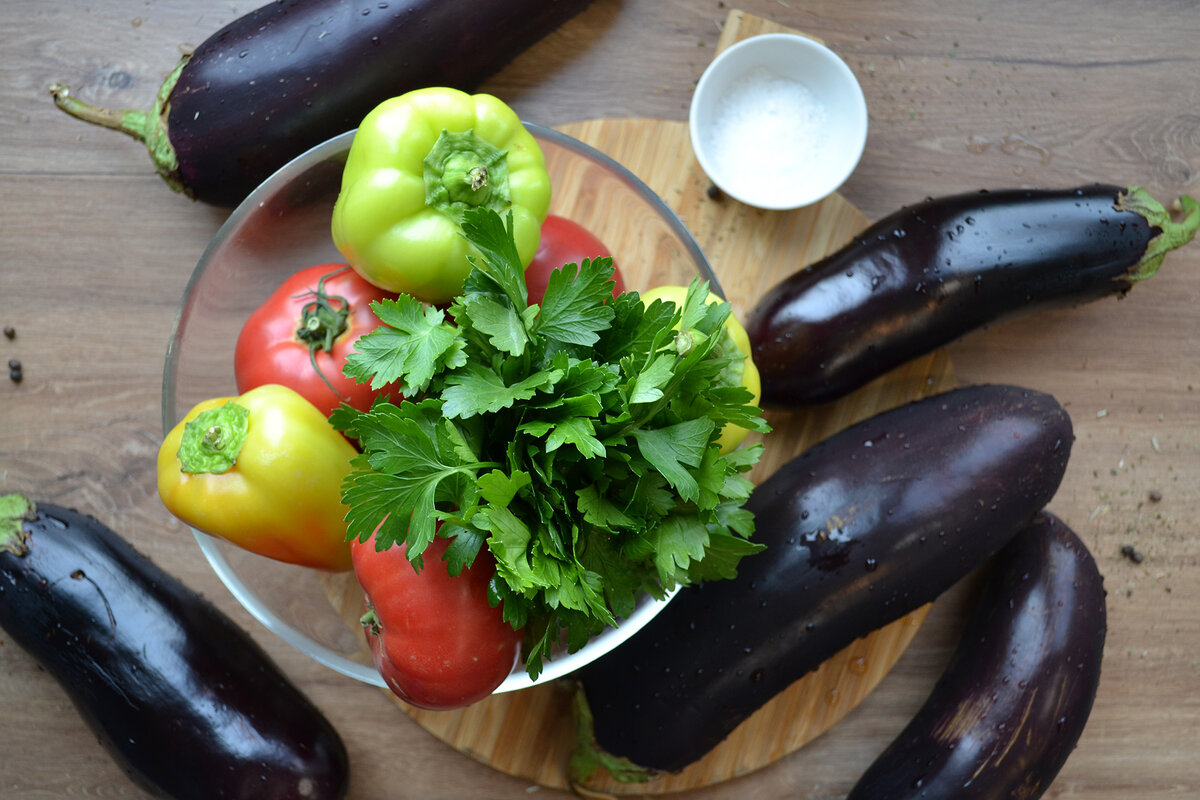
column 464, row 171
column 213, row 440
column 588, row 757
column 148, row 127
column 15, row 509
column 1174, row 233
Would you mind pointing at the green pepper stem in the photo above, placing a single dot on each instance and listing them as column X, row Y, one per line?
column 463, row 170
column 465, row 177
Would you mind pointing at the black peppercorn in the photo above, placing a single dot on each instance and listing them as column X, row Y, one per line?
column 1130, row 552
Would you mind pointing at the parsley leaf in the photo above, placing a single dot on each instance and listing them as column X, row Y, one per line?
column 414, row 343
column 477, row 389
column 671, row 450
column 572, row 443
column 721, row 557
column 405, row 460
column 502, row 323
column 500, row 265
column 465, row 544
column 678, row 541
column 573, row 310
column 649, row 384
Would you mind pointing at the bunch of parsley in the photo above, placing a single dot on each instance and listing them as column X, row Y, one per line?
column 575, row 440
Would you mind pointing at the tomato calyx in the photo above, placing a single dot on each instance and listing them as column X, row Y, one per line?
column 322, row 321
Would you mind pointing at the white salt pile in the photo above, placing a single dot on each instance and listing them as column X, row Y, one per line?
column 766, row 136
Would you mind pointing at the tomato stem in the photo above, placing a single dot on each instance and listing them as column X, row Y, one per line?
column 322, row 321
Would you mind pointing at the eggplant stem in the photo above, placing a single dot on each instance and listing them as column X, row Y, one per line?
column 147, row 127
column 588, row 757
column 15, row 509
column 1173, row 233
column 131, row 122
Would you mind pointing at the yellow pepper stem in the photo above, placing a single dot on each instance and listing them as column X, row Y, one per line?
column 213, row 440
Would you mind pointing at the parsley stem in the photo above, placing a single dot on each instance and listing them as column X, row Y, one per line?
column 647, row 416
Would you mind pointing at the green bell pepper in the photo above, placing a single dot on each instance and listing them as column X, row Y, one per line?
column 417, row 162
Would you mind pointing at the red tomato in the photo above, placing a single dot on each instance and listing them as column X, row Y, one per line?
column 270, row 348
column 434, row 638
column 564, row 242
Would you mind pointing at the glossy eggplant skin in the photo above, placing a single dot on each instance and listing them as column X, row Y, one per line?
column 930, row 273
column 1011, row 705
column 859, row 529
column 294, row 73
column 181, row 697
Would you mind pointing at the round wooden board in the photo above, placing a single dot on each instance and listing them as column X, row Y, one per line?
column 529, row 734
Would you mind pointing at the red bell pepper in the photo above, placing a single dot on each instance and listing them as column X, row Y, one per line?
column 435, row 638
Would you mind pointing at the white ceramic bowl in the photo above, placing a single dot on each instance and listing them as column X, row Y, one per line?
column 778, row 121
column 283, row 226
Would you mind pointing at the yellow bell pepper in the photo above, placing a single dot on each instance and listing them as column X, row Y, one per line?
column 264, row 471
column 731, row 435
column 417, row 162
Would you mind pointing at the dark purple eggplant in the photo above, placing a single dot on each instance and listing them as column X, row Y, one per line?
column 860, row 529
column 290, row 75
column 1011, row 705
column 183, row 699
column 930, row 273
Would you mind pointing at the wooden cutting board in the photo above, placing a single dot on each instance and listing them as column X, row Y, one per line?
column 529, row 733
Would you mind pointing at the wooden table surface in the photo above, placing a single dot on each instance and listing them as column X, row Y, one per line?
column 96, row 252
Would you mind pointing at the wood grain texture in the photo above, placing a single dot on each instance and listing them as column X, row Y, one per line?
column 961, row 96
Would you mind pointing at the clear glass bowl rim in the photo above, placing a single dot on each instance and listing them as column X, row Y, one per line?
column 365, row 673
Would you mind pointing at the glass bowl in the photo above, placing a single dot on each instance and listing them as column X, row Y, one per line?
column 778, row 121
column 284, row 226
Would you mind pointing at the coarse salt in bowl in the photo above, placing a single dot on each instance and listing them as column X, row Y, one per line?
column 778, row 121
